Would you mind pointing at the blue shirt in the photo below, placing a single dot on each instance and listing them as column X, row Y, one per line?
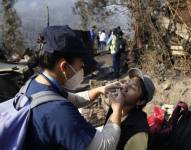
column 56, row 124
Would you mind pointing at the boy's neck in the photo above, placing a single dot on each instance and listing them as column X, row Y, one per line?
column 126, row 110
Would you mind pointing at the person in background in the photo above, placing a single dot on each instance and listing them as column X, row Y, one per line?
column 121, row 45
column 92, row 38
column 119, row 30
column 138, row 91
column 109, row 38
column 58, row 124
column 102, row 39
column 113, row 49
column 109, row 35
column 98, row 41
column 93, row 34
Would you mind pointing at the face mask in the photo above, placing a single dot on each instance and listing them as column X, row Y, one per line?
column 75, row 80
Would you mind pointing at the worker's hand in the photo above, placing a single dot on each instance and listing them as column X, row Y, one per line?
column 111, row 87
column 117, row 106
column 117, row 100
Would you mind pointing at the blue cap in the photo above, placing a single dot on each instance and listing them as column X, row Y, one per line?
column 64, row 39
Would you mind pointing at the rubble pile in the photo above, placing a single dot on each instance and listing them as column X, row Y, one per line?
column 164, row 27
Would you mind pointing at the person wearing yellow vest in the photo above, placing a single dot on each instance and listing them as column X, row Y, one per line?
column 114, row 49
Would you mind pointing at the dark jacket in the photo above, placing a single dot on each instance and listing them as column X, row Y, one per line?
column 135, row 122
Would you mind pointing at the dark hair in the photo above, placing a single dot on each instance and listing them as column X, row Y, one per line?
column 49, row 60
column 115, row 32
column 121, row 33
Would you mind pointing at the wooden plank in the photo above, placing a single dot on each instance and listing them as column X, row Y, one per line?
column 179, row 53
column 177, row 47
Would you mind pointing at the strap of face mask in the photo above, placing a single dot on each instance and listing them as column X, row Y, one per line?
column 72, row 68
